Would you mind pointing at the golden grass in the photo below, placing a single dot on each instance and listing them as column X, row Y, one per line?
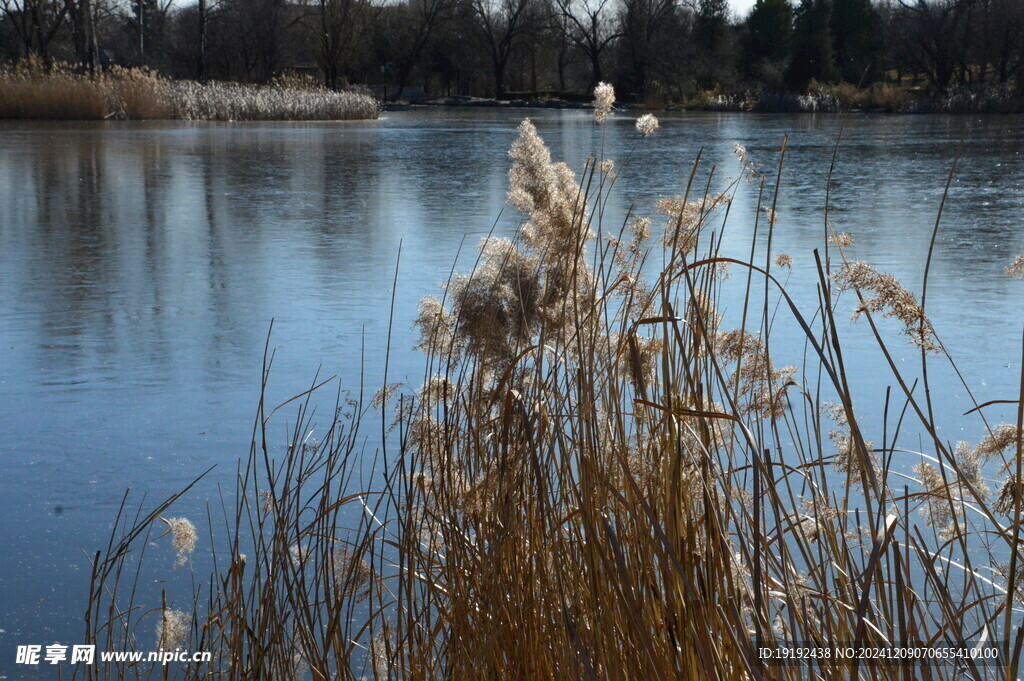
column 818, row 97
column 56, row 98
column 28, row 92
column 596, row 480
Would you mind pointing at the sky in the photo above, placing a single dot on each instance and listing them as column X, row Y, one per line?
column 741, row 7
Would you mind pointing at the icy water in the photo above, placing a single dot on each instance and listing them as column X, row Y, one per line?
column 141, row 266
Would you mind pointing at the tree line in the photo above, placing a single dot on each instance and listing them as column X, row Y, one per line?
column 648, row 48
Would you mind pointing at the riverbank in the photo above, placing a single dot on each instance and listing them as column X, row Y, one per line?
column 139, row 94
column 818, row 98
column 842, row 97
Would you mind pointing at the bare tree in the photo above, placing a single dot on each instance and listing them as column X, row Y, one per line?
column 417, row 20
column 338, row 25
column 149, row 21
column 201, row 44
column 82, row 20
column 642, row 24
column 589, row 26
column 938, row 31
column 999, row 38
column 36, row 23
column 501, row 23
column 252, row 36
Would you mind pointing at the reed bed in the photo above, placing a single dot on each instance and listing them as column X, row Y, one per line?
column 236, row 102
column 844, row 97
column 139, row 94
column 598, row 479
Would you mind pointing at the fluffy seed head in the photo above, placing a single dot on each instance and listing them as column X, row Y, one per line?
column 353, row 577
column 969, row 463
column 685, row 218
column 749, row 166
column 647, row 124
column 498, row 304
column 939, row 507
column 849, row 454
column 1010, row 494
column 843, row 239
column 820, row 517
column 436, row 326
column 547, row 193
column 382, row 398
column 1001, row 438
column 604, row 98
column 741, row 153
column 298, row 554
column 762, row 387
column 640, row 228
column 172, row 629
column 886, row 295
column 183, row 538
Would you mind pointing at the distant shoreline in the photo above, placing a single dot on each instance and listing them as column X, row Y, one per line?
column 823, row 99
column 64, row 93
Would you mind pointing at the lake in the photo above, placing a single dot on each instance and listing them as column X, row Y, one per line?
column 141, row 265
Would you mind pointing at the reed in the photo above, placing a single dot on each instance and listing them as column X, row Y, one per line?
column 27, row 91
column 845, row 97
column 598, row 479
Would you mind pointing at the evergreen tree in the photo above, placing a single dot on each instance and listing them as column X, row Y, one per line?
column 711, row 24
column 768, row 38
column 813, row 57
column 857, row 46
column 710, row 37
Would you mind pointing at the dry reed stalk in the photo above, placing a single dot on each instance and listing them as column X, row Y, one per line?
column 27, row 91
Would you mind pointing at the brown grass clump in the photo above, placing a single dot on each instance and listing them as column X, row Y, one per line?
column 28, row 91
column 846, row 97
column 597, row 481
